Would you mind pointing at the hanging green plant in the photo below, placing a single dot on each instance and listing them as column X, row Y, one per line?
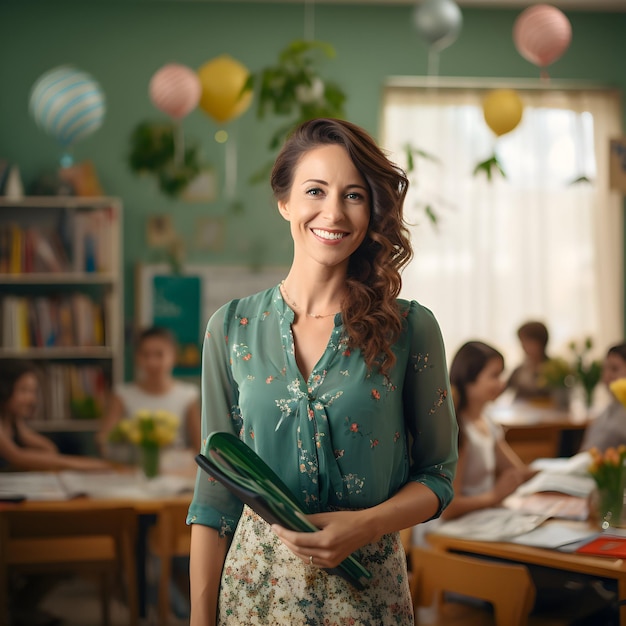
column 294, row 88
column 489, row 166
column 153, row 148
column 413, row 155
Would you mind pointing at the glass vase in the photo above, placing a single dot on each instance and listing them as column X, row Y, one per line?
column 149, row 459
column 610, row 507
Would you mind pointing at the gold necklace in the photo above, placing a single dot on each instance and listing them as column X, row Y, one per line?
column 316, row 316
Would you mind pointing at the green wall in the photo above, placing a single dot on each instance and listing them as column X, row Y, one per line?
column 121, row 43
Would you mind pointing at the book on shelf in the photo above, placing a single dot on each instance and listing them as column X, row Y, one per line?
column 87, row 238
column 71, row 391
column 47, row 252
column 93, row 240
column 73, row 320
column 234, row 464
column 30, row 250
column 15, row 254
column 5, row 249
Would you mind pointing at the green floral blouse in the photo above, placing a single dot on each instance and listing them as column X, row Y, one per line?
column 346, row 438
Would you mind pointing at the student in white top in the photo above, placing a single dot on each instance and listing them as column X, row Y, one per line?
column 488, row 469
column 155, row 388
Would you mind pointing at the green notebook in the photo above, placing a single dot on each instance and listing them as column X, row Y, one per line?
column 234, row 464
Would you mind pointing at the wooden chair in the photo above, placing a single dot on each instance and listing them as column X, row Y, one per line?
column 90, row 540
column 170, row 537
column 509, row 588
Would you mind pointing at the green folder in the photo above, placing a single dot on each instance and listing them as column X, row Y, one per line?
column 239, row 468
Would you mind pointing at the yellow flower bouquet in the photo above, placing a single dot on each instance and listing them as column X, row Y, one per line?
column 149, row 430
column 607, row 469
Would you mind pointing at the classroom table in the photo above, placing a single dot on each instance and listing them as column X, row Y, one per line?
column 605, row 567
column 536, row 432
column 120, row 489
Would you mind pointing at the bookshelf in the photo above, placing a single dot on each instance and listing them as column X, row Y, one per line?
column 61, row 301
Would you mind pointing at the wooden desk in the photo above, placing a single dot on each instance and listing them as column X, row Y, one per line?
column 147, row 508
column 595, row 566
column 536, row 433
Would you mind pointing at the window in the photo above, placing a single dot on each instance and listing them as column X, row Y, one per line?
column 533, row 245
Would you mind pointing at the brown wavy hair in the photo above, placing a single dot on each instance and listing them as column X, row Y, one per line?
column 370, row 312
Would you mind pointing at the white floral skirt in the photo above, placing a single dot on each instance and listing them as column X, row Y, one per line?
column 263, row 582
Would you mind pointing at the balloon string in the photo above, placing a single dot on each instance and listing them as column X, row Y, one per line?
column 545, row 77
column 179, row 145
column 309, row 20
column 433, row 62
column 231, row 168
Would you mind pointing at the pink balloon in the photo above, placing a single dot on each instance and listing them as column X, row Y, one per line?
column 542, row 33
column 175, row 89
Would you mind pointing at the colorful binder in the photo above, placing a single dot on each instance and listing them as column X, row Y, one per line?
column 234, row 464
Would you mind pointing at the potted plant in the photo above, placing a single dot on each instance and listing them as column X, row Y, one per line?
column 588, row 371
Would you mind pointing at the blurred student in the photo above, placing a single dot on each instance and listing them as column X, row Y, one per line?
column 609, row 428
column 488, row 469
column 21, row 447
column 155, row 388
column 526, row 378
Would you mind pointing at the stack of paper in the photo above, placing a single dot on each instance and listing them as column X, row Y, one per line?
column 498, row 524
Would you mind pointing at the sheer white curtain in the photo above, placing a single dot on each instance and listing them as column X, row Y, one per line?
column 533, row 245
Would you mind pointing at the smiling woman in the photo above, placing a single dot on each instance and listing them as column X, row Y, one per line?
column 331, row 380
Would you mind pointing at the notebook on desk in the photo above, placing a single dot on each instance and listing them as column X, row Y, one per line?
column 234, row 464
column 605, row 545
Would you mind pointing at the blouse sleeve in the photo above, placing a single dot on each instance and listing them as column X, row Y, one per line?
column 429, row 411
column 213, row 505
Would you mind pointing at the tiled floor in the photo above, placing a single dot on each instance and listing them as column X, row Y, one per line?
column 77, row 603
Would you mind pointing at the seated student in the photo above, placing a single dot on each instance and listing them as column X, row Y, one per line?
column 21, row 447
column 609, row 428
column 526, row 378
column 488, row 469
column 155, row 388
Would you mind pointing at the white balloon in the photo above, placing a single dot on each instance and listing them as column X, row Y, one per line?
column 438, row 22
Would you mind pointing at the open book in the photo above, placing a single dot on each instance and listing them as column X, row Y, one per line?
column 234, row 464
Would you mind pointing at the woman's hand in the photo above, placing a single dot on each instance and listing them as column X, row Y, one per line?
column 340, row 534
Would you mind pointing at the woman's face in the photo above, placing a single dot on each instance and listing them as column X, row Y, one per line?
column 488, row 384
column 23, row 400
column 155, row 359
column 614, row 367
column 328, row 207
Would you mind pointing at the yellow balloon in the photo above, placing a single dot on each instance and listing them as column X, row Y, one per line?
column 222, row 80
column 503, row 110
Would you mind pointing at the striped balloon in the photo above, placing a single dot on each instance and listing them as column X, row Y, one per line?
column 68, row 104
column 542, row 33
column 175, row 90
